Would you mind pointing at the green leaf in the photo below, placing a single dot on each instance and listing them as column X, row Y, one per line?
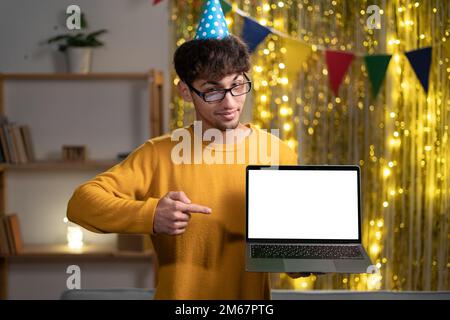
column 58, row 38
column 97, row 33
column 78, row 40
column 83, row 21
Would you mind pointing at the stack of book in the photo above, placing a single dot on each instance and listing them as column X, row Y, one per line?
column 16, row 146
column 10, row 235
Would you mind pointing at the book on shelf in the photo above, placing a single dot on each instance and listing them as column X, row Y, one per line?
column 4, row 146
column 26, row 135
column 16, row 145
column 9, row 147
column 4, row 242
column 10, row 234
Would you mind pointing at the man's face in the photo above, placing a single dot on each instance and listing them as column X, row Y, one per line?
column 223, row 114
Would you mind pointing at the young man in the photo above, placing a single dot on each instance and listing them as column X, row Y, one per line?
column 194, row 211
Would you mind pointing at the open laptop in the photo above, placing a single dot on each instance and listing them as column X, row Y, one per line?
column 304, row 219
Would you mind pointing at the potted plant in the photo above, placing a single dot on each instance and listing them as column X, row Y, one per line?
column 78, row 47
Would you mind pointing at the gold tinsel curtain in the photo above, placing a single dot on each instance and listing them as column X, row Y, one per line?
column 399, row 138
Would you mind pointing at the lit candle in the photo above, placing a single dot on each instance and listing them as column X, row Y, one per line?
column 74, row 237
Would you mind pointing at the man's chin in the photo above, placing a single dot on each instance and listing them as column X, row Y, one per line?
column 231, row 125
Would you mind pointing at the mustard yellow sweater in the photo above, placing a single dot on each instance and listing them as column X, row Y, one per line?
column 208, row 260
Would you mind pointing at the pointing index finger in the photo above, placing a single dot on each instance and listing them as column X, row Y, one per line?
column 192, row 207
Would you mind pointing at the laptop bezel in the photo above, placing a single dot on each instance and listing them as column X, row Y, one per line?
column 304, row 167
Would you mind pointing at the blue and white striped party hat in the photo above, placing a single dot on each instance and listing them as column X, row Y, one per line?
column 212, row 22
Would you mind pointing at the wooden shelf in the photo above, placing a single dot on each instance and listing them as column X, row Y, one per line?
column 88, row 251
column 59, row 165
column 154, row 81
column 76, row 76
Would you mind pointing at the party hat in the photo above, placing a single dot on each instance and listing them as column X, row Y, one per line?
column 212, row 22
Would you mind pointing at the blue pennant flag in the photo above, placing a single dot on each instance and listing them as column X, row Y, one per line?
column 420, row 61
column 253, row 33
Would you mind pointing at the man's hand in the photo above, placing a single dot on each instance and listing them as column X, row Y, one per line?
column 295, row 275
column 173, row 213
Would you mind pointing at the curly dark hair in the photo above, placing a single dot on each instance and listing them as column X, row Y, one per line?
column 211, row 59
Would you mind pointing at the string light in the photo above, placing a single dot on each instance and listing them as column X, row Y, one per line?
column 287, row 126
column 400, row 142
column 374, row 249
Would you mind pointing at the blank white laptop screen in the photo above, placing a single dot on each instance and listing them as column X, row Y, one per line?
column 303, row 204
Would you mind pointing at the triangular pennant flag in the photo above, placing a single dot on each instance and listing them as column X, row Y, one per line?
column 155, row 2
column 376, row 67
column 420, row 61
column 226, row 7
column 296, row 53
column 212, row 23
column 338, row 63
column 253, row 33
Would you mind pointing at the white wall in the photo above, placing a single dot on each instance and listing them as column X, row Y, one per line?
column 107, row 116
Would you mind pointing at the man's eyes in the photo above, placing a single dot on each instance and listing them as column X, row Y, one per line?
column 218, row 89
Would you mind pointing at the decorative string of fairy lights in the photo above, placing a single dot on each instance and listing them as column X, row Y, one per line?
column 400, row 139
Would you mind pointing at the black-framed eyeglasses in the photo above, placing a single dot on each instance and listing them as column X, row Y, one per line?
column 219, row 95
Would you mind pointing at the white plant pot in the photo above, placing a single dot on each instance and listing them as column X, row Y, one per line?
column 79, row 60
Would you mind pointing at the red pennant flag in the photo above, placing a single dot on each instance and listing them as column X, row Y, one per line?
column 338, row 63
column 155, row 2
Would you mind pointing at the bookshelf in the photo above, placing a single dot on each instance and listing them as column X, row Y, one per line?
column 154, row 80
column 76, row 76
column 61, row 251
column 61, row 165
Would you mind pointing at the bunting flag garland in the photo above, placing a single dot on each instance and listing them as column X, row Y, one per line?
column 253, row 33
column 338, row 63
column 376, row 68
column 226, row 7
column 420, row 61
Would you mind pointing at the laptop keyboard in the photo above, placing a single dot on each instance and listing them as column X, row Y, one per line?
column 305, row 252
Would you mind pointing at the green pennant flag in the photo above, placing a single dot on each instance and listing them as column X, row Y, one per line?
column 226, row 7
column 376, row 67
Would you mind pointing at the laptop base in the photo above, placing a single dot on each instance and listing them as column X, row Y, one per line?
column 363, row 265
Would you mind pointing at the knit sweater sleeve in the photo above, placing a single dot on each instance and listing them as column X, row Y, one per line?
column 118, row 201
